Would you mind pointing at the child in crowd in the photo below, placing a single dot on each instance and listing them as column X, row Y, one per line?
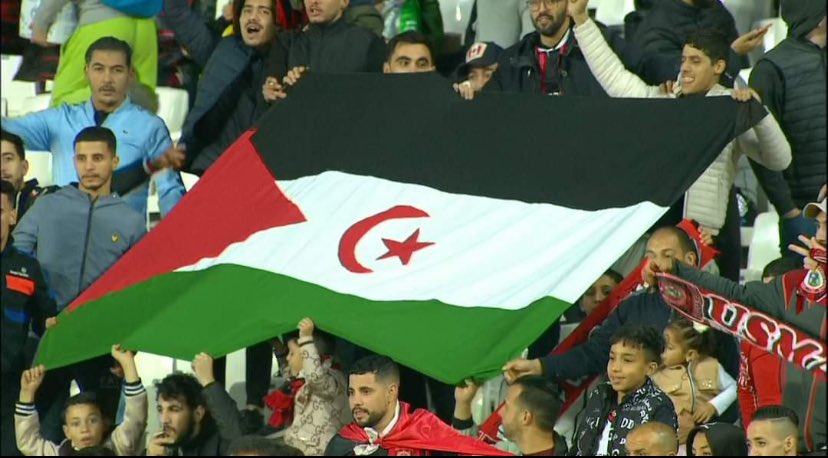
column 698, row 385
column 315, row 399
column 629, row 398
column 717, row 439
column 85, row 426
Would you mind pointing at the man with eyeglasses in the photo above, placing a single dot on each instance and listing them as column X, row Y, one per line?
column 548, row 61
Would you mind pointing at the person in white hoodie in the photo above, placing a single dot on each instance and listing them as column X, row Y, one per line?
column 704, row 61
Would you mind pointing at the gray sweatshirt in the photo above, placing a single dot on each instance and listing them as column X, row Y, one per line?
column 76, row 239
column 89, row 12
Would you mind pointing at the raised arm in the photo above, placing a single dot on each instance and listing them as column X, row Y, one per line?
column 606, row 66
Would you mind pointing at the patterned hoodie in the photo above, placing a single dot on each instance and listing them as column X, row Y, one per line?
column 646, row 404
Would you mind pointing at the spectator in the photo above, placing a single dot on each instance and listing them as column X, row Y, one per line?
column 790, row 78
column 503, row 22
column 588, row 302
column 480, row 65
column 652, row 439
column 629, row 398
column 717, row 439
column 198, row 417
column 666, row 247
column 531, row 409
column 704, row 63
column 385, row 426
column 773, row 432
column 409, row 52
column 697, row 384
column 228, row 100
column 76, row 234
column 790, row 299
column 143, row 138
column 593, row 296
column 85, row 423
column 668, row 23
column 364, row 13
column 760, row 372
column 260, row 446
column 549, row 60
column 25, row 303
column 95, row 21
column 320, row 403
column 14, row 169
column 330, row 44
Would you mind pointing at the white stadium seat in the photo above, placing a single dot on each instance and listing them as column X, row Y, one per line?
column 612, row 12
column 17, row 93
column 10, row 64
column 764, row 246
column 173, row 105
column 35, row 103
column 776, row 34
column 189, row 180
column 4, row 107
column 40, row 167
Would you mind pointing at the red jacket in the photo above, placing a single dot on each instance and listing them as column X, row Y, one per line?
column 760, row 380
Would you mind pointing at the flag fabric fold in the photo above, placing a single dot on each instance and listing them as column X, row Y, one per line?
column 444, row 233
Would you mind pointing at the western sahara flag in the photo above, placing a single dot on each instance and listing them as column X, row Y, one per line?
column 446, row 234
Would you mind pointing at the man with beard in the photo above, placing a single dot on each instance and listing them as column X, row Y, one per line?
column 197, row 416
column 530, row 411
column 385, row 426
column 549, row 61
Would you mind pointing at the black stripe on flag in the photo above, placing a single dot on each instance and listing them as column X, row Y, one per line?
column 586, row 153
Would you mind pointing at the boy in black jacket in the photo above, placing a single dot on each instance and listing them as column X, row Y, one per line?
column 629, row 398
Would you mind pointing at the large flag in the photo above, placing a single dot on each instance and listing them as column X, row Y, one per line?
column 444, row 233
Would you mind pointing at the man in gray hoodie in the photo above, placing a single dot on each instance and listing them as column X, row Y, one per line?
column 77, row 234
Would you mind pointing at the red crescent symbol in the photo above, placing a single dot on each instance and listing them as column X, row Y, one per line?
column 355, row 233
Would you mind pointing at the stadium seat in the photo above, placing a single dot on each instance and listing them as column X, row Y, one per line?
column 17, row 94
column 776, row 34
column 612, row 12
column 4, row 107
column 173, row 105
column 764, row 246
column 35, row 103
column 189, row 180
column 40, row 167
column 10, row 64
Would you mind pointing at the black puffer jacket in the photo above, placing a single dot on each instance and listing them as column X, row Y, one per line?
column 668, row 23
column 519, row 70
column 339, row 47
column 790, row 78
column 646, row 404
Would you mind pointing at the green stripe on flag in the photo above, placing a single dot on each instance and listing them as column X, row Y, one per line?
column 228, row 307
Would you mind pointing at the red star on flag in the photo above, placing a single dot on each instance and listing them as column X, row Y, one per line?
column 404, row 250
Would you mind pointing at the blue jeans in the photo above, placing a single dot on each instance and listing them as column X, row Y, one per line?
column 789, row 231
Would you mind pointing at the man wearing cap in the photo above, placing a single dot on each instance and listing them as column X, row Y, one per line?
column 477, row 70
column 797, row 299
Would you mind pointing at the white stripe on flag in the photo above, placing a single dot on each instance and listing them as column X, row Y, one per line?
column 487, row 252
